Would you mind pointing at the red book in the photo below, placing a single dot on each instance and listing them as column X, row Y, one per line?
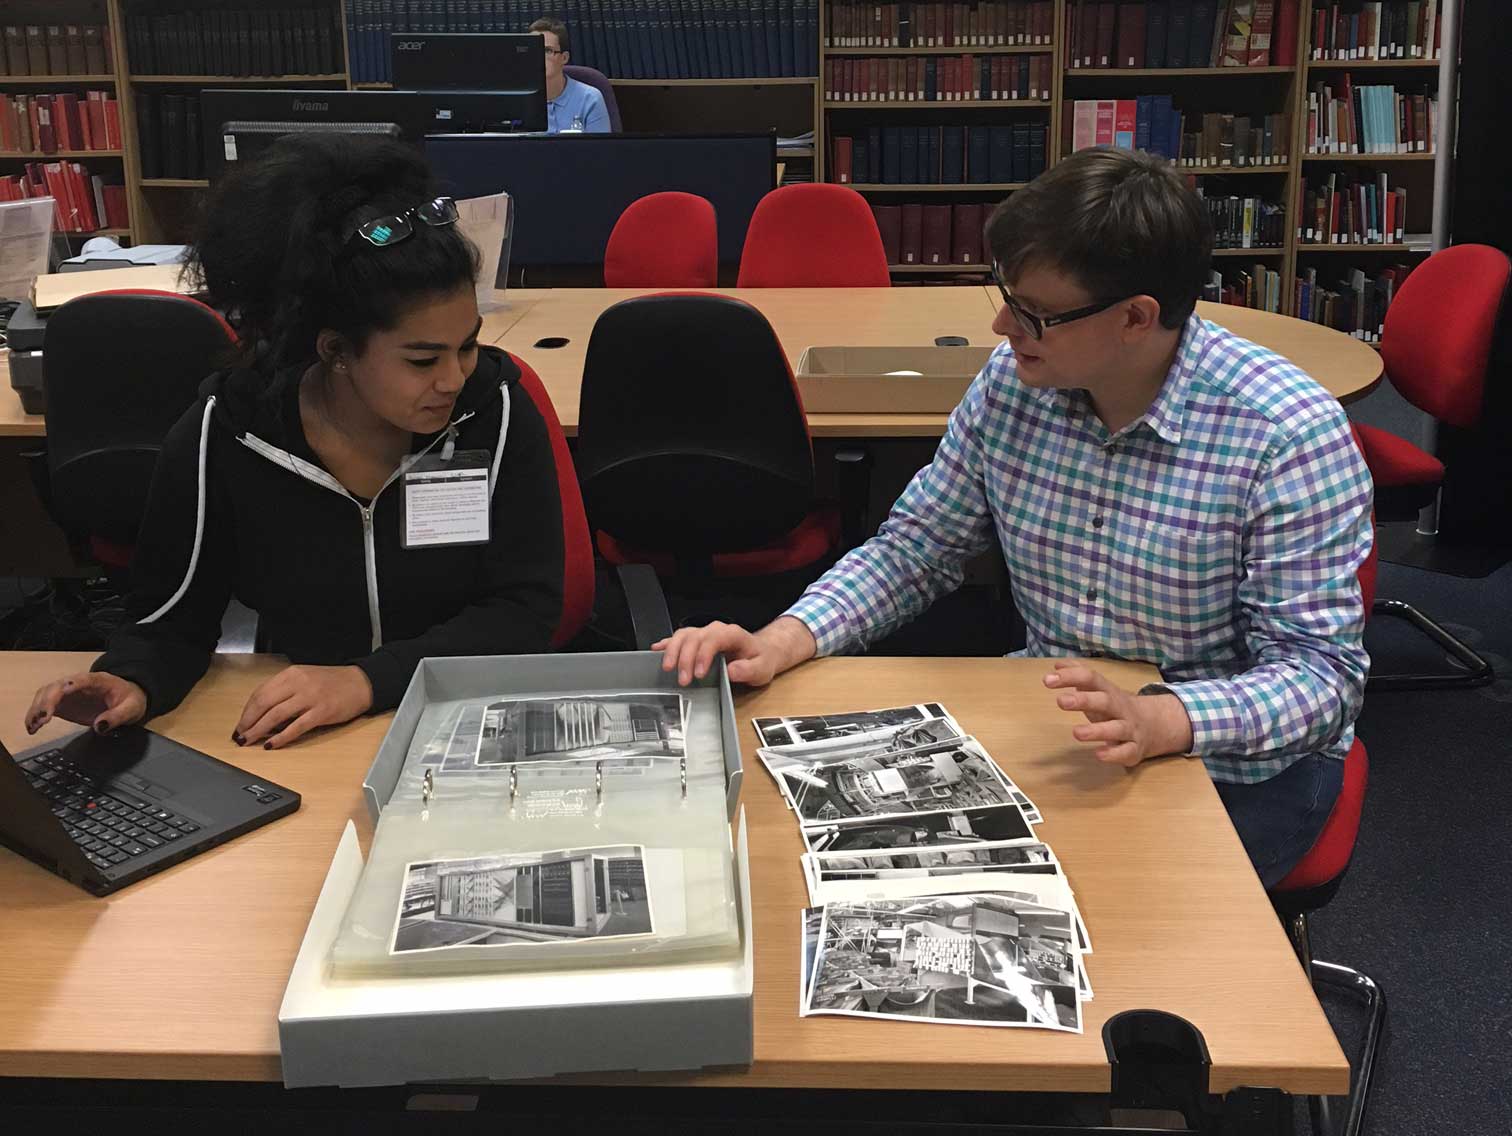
column 1131, row 36
column 1106, row 112
column 44, row 136
column 966, row 230
column 936, row 234
column 83, row 195
column 890, row 225
column 112, row 124
column 911, row 242
column 65, row 216
column 116, row 215
column 1106, row 10
column 842, row 159
column 98, row 127
column 67, row 110
column 1284, row 39
column 1261, row 32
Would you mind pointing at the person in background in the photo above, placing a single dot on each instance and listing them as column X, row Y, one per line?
column 1162, row 490
column 571, row 107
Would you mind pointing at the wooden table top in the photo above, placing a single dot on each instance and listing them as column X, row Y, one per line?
column 181, row 976
column 841, row 317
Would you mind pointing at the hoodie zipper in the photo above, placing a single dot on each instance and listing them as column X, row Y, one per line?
column 317, row 476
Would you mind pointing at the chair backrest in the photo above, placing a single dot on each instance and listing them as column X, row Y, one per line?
column 664, row 240
column 813, row 236
column 691, row 434
column 600, row 82
column 1436, row 343
column 120, row 369
column 577, row 546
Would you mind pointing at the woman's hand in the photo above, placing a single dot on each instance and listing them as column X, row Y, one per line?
column 298, row 699
column 101, row 701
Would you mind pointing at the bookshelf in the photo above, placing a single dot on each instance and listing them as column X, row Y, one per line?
column 69, row 64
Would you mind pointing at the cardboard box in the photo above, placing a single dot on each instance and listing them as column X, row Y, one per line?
column 887, row 380
column 365, row 1032
column 516, row 1024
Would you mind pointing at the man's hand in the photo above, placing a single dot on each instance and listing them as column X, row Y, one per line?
column 1128, row 727
column 754, row 659
column 298, row 699
column 101, row 701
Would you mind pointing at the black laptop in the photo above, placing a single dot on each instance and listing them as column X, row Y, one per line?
column 104, row 812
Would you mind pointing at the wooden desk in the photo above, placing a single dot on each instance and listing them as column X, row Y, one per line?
column 14, row 421
column 802, row 317
column 181, row 976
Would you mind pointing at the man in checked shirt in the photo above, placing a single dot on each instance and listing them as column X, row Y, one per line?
column 1162, row 491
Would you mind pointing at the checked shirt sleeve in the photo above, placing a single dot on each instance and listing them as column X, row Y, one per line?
column 918, row 555
column 1308, row 532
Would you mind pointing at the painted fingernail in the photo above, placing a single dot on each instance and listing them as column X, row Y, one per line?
column 267, row 745
column 101, row 728
column 237, row 738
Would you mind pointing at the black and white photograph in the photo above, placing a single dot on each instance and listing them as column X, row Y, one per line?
column 855, row 725
column 584, row 728
column 1019, row 856
column 971, row 959
column 826, row 787
column 811, row 920
column 920, row 830
column 563, row 896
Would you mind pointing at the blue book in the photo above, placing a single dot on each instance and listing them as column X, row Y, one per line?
column 908, row 162
column 810, row 38
column 1173, row 144
column 953, row 155
column 978, row 155
column 745, row 56
column 929, row 155
column 707, row 47
column 772, row 28
column 1000, row 154
column 1156, row 13
column 1020, row 152
column 1199, row 51
column 873, row 168
column 1160, row 126
column 931, row 79
column 1144, row 114
column 800, row 47
column 892, row 155
column 759, row 38
column 1038, row 134
column 657, row 34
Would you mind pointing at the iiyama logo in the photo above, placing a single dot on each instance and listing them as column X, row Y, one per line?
column 311, row 107
column 410, row 45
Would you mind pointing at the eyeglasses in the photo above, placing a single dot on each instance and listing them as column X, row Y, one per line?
column 555, row 50
column 390, row 230
column 1034, row 326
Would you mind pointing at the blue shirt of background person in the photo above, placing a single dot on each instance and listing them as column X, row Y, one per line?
column 571, row 107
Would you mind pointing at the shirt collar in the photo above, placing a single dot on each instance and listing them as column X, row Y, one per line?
column 1164, row 415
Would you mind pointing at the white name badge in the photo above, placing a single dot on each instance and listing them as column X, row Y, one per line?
column 446, row 502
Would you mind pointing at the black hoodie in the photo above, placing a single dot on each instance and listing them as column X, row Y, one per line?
column 240, row 505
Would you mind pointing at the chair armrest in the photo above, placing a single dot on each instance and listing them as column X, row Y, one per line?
column 650, row 622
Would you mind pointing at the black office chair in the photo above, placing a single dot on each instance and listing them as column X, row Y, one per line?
column 693, row 449
column 120, row 368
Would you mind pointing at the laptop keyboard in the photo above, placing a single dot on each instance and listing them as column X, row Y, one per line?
column 111, row 826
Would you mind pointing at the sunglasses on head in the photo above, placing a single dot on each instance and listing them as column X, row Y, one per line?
column 1034, row 326
column 381, row 232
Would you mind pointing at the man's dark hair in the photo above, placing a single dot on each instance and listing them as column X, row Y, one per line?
column 555, row 27
column 276, row 244
column 1121, row 223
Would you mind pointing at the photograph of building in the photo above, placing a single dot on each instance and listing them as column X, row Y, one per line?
column 1005, row 822
column 519, row 731
column 968, row 959
column 1027, row 856
column 899, row 777
column 530, row 897
column 861, row 725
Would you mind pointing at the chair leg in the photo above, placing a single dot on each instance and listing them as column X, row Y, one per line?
column 1477, row 670
column 1364, row 989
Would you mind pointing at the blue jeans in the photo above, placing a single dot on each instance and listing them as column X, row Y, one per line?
column 1278, row 820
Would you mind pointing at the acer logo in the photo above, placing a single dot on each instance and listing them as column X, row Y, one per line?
column 410, row 45
column 311, row 107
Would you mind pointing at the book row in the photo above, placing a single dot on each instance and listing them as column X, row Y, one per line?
column 1357, row 209
column 247, row 41
column 55, row 49
column 168, row 136
column 625, row 39
column 1345, row 118
column 82, row 203
column 45, row 124
column 940, row 155
column 981, row 23
column 1255, row 287
column 1395, row 29
column 919, row 233
column 1193, row 140
column 1245, row 222
column 1181, row 33
column 943, row 78
column 1355, row 304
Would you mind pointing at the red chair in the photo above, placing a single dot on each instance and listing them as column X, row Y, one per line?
column 698, row 478
column 813, row 236
column 664, row 240
column 1436, row 346
column 120, row 368
column 1312, row 884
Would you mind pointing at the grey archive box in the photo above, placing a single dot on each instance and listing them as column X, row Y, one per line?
column 441, row 680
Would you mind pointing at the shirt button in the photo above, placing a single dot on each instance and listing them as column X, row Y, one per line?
column 1092, row 593
column 1112, row 449
column 1097, row 522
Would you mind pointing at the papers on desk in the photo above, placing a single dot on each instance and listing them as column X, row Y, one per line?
column 25, row 229
column 933, row 900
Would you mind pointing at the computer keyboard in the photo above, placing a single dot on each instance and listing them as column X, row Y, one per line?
column 111, row 826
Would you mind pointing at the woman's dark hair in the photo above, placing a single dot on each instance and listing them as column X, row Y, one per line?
column 275, row 244
column 1120, row 223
